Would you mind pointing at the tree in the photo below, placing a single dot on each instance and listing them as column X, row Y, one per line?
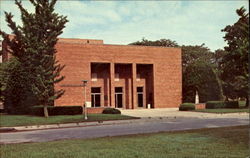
column 201, row 76
column 191, row 54
column 33, row 45
column 161, row 43
column 235, row 66
column 228, row 89
column 15, row 92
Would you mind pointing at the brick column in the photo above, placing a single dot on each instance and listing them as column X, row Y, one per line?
column 134, row 90
column 112, row 87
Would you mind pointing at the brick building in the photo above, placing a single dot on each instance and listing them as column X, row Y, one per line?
column 121, row 76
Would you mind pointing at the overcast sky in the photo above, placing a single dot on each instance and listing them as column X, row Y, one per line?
column 123, row 22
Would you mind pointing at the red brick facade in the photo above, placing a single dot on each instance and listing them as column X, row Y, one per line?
column 123, row 76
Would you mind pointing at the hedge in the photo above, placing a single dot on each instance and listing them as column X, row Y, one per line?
column 56, row 110
column 215, row 104
column 187, row 107
column 232, row 104
column 111, row 111
column 222, row 104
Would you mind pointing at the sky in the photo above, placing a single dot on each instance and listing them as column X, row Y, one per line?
column 122, row 22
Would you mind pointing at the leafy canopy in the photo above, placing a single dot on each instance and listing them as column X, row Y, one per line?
column 33, row 45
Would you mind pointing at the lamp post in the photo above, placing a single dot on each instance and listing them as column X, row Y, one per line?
column 85, row 106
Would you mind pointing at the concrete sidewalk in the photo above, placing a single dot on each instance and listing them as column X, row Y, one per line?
column 174, row 112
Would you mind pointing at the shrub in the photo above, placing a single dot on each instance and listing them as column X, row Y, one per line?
column 56, row 110
column 215, row 104
column 232, row 104
column 111, row 111
column 187, row 107
column 22, row 110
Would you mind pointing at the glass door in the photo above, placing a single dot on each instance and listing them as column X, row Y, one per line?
column 118, row 97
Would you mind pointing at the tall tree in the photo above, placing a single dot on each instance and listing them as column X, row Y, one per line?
column 235, row 64
column 191, row 54
column 199, row 74
column 33, row 44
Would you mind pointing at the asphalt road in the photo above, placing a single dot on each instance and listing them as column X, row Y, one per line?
column 144, row 126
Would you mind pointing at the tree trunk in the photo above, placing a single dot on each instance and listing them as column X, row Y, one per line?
column 45, row 111
column 247, row 101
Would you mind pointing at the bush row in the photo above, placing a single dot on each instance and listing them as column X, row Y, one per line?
column 187, row 107
column 57, row 110
column 211, row 105
column 222, row 104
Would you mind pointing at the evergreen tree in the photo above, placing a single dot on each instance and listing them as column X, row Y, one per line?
column 235, row 63
column 33, row 45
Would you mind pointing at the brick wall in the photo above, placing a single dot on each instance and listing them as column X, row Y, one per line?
column 167, row 73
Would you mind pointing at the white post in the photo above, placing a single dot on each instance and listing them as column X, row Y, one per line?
column 149, row 106
column 196, row 98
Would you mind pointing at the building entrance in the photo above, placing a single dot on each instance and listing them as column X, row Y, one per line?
column 95, row 97
column 118, row 97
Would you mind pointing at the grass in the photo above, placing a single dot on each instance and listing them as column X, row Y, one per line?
column 223, row 110
column 25, row 120
column 227, row 142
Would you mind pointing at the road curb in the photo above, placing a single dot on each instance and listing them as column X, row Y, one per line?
column 78, row 124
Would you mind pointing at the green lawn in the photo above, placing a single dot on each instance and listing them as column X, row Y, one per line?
column 25, row 120
column 223, row 110
column 229, row 142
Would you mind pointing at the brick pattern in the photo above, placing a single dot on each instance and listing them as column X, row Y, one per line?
column 166, row 78
column 200, row 106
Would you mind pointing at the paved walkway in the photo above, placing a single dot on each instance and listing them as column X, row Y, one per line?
column 174, row 112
